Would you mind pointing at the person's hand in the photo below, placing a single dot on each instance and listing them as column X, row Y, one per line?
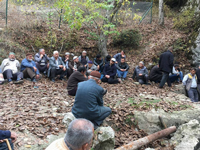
column 1, row 141
column 35, row 69
column 41, row 55
column 64, row 69
column 85, row 65
column 37, row 76
column 130, row 79
column 60, row 66
column 48, row 65
column 116, row 62
column 140, row 74
column 13, row 137
column 107, row 76
column 98, row 67
column 121, row 69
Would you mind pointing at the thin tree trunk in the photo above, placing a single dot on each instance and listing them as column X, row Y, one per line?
column 161, row 12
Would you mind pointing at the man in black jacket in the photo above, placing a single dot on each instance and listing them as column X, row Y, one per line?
column 155, row 74
column 166, row 66
column 198, row 78
column 122, row 69
column 98, row 61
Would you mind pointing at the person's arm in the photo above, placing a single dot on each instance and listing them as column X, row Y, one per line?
column 117, row 66
column 185, row 79
column 18, row 65
column 146, row 72
column 51, row 63
column 79, row 58
column 62, row 62
column 5, row 134
column 81, row 78
column 47, row 57
column 101, row 64
column 2, row 65
column 171, row 60
column 127, row 67
column 27, row 64
column 37, row 58
column 114, row 71
column 70, row 65
column 100, row 97
column 37, row 72
column 96, row 62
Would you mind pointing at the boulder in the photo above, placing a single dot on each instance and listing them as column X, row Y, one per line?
column 149, row 121
column 68, row 118
column 187, row 136
column 104, row 139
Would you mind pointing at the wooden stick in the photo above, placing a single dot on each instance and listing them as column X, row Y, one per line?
column 8, row 144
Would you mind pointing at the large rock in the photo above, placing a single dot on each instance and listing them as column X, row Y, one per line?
column 149, row 121
column 187, row 136
column 69, row 117
column 105, row 139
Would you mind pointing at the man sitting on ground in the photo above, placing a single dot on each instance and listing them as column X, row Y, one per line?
column 141, row 74
column 109, row 72
column 74, row 79
column 190, row 82
column 11, row 136
column 89, row 100
column 41, row 60
column 155, row 74
column 79, row 136
column 11, row 69
column 118, row 56
column 67, row 61
column 98, row 61
column 91, row 67
column 122, row 69
column 29, row 69
column 1, row 77
column 107, row 59
column 176, row 74
column 83, row 59
column 56, row 67
column 75, row 64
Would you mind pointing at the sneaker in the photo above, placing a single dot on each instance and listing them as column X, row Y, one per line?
column 34, row 80
column 52, row 80
column 18, row 82
column 120, row 80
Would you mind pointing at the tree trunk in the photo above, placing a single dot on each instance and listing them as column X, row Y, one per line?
column 102, row 42
column 161, row 12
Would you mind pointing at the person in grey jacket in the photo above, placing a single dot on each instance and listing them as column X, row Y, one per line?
column 41, row 61
column 83, row 59
column 141, row 74
column 91, row 67
column 56, row 67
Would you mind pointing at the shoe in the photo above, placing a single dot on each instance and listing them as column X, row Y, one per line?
column 52, row 80
column 34, row 80
column 120, row 80
column 18, row 82
column 1, row 82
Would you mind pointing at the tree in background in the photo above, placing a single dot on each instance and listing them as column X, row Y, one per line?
column 161, row 12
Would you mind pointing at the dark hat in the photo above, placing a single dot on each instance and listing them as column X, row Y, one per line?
column 28, row 54
column 95, row 74
column 98, row 56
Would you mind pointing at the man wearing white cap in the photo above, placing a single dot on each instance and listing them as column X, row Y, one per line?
column 110, row 72
column 74, row 64
column 67, row 61
column 83, row 59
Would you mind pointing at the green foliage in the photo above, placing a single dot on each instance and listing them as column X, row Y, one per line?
column 127, row 38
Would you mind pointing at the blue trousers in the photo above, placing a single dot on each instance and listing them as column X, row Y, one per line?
column 3, row 146
column 8, row 74
column 176, row 77
column 122, row 74
column 193, row 95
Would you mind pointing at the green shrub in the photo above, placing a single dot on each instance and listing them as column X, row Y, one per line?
column 127, row 38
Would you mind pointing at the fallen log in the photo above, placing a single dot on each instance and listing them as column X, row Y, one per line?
column 148, row 139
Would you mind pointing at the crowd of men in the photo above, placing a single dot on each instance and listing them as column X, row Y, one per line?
column 84, row 77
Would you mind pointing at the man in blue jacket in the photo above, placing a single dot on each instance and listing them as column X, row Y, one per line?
column 11, row 136
column 109, row 72
column 29, row 69
column 89, row 100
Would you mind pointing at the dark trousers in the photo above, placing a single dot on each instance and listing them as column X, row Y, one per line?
column 105, row 112
column 3, row 146
column 29, row 73
column 8, row 74
column 143, row 79
column 111, row 80
column 55, row 72
column 41, row 68
column 156, row 79
column 72, row 92
column 165, row 78
column 67, row 72
column 193, row 94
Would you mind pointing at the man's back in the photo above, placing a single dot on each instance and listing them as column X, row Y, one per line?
column 166, row 62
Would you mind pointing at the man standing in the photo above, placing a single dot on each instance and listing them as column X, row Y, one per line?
column 29, row 69
column 41, row 60
column 11, row 136
column 56, row 67
column 141, row 74
column 155, row 74
column 166, row 65
column 11, row 69
column 83, row 59
column 89, row 100
column 74, row 79
column 67, row 61
column 75, row 64
column 109, row 72
column 122, row 69
column 190, row 81
column 79, row 136
column 118, row 56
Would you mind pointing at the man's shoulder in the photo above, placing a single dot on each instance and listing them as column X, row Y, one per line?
column 37, row 54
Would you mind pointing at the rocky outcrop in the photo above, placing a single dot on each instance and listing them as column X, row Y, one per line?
column 69, row 117
column 187, row 136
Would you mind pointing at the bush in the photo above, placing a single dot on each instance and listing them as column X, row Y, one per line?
column 127, row 38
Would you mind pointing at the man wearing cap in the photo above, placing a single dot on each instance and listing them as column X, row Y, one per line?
column 91, row 67
column 89, row 100
column 11, row 69
column 74, row 65
column 1, row 77
column 122, row 69
column 83, row 59
column 67, row 61
column 56, row 67
column 118, row 56
column 98, row 61
column 109, row 72
column 79, row 136
column 29, row 68
column 74, row 79
column 141, row 74
column 41, row 60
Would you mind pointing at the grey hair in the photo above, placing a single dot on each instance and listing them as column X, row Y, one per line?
column 54, row 52
column 80, row 132
column 40, row 49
